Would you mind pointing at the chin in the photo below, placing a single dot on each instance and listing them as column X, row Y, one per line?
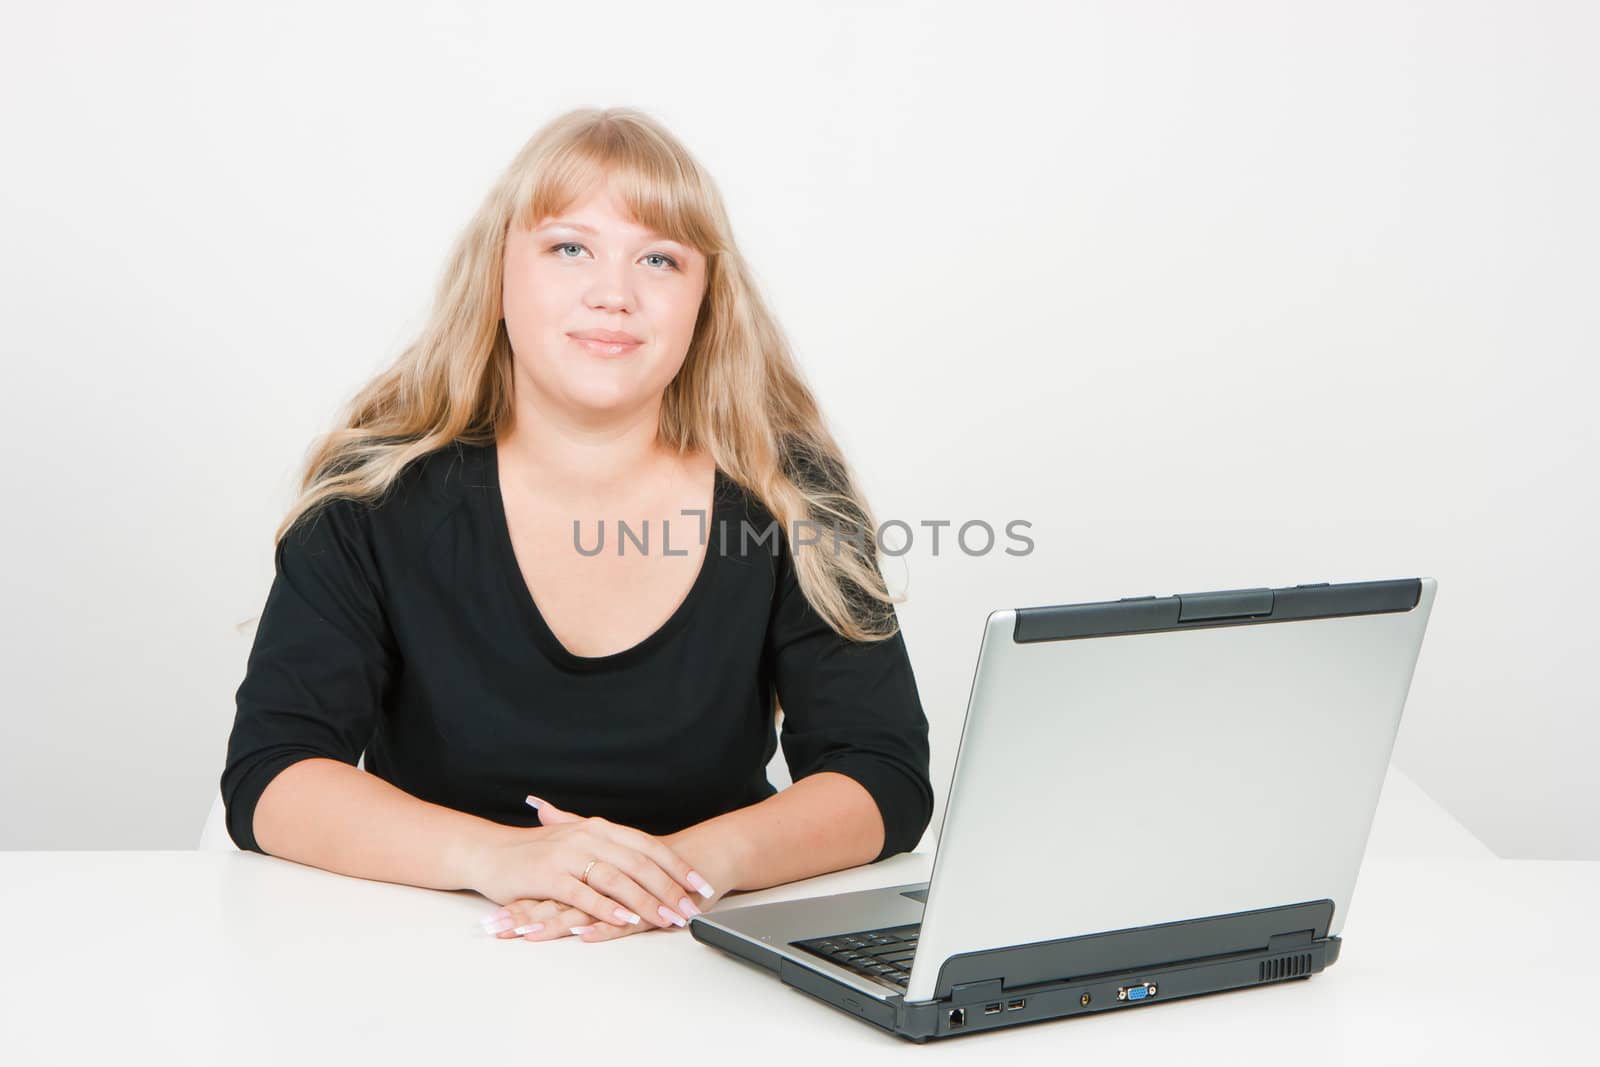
column 598, row 396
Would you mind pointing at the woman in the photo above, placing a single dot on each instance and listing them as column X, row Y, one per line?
column 447, row 603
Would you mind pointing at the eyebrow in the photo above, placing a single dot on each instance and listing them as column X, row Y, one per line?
column 581, row 228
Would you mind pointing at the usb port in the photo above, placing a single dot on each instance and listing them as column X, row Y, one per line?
column 991, row 1009
column 1015, row 1005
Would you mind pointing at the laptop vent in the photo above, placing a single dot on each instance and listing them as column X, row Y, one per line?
column 1285, row 967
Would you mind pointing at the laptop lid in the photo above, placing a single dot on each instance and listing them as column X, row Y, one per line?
column 1153, row 760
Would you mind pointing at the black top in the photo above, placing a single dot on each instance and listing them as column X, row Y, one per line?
column 405, row 630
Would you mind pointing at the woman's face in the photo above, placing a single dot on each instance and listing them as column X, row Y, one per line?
column 592, row 273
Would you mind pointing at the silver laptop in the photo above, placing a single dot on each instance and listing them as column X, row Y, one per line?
column 1152, row 798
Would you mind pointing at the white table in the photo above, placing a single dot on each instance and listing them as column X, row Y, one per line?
column 1450, row 956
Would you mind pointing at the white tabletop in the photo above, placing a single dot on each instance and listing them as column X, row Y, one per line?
column 1449, row 956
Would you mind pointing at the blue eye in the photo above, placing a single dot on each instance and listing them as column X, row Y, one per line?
column 672, row 263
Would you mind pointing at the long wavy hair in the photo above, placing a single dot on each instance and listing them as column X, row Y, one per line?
column 739, row 394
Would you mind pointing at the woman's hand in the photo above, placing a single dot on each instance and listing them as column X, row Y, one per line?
column 536, row 919
column 630, row 882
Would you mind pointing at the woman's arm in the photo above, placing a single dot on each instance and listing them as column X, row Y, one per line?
column 822, row 823
column 853, row 718
column 328, row 814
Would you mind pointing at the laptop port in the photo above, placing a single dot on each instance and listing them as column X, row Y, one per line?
column 991, row 1009
column 958, row 1018
column 1142, row 991
column 1015, row 1005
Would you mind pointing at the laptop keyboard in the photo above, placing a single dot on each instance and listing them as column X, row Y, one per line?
column 882, row 954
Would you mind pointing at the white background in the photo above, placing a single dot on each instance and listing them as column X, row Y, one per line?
column 1214, row 295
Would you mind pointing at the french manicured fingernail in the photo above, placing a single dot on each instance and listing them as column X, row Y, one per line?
column 581, row 929
column 671, row 916
column 522, row 930
column 498, row 925
column 533, row 802
column 700, row 885
column 626, row 916
column 687, row 907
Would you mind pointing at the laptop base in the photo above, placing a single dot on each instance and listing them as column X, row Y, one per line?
column 974, row 1005
column 986, row 1006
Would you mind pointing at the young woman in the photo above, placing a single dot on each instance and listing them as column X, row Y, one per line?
column 561, row 568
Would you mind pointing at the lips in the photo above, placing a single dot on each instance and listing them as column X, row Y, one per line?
column 615, row 337
column 605, row 348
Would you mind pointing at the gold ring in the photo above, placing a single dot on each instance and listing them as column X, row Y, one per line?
column 585, row 878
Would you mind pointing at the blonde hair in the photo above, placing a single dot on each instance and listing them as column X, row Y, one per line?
column 739, row 394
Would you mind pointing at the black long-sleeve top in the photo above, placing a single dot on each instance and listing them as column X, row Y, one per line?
column 404, row 630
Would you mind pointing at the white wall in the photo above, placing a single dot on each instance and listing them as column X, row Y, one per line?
column 1215, row 295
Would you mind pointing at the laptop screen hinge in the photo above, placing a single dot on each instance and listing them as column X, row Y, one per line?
column 965, row 991
column 1285, row 942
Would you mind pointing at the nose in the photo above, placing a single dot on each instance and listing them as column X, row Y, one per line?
column 610, row 291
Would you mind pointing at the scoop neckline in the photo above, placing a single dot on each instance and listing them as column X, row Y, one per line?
column 528, row 608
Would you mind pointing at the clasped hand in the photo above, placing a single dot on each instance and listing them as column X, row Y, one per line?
column 636, row 881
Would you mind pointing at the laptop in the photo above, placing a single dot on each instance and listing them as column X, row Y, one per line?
column 1153, row 798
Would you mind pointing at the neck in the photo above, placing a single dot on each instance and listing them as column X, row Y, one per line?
column 576, row 459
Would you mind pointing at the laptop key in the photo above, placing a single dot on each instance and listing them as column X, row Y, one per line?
column 883, row 954
column 880, row 951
